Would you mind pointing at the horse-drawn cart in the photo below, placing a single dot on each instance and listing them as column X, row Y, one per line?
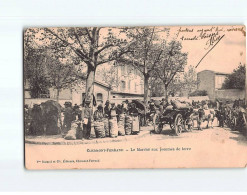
column 178, row 119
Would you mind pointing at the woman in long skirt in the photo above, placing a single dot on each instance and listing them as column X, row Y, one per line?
column 135, row 119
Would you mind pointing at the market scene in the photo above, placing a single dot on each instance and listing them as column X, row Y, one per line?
column 85, row 85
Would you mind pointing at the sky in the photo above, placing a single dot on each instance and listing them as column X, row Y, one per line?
column 224, row 57
column 228, row 44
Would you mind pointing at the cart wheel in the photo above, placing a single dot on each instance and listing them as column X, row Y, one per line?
column 179, row 124
column 234, row 123
column 172, row 126
column 189, row 123
column 157, row 126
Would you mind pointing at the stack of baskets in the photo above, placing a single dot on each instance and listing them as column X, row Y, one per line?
column 121, row 123
column 128, row 125
column 99, row 129
column 106, row 127
column 113, row 127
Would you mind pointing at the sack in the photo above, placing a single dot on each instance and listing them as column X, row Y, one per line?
column 106, row 127
column 121, row 122
column 99, row 129
column 170, row 107
column 179, row 105
column 71, row 135
column 128, row 125
column 113, row 127
column 79, row 133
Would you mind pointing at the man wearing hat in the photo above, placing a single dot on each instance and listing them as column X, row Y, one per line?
column 87, row 114
column 107, row 109
column 98, row 114
column 68, row 117
column 113, row 110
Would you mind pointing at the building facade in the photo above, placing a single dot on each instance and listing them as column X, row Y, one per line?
column 130, row 86
column 212, row 82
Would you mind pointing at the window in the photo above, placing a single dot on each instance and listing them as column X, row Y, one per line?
column 135, row 87
column 129, row 85
column 99, row 98
column 123, row 85
column 83, row 95
column 122, row 70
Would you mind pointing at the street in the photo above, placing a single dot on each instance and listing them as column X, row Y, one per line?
column 217, row 147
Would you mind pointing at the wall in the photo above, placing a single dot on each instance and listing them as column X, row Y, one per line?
column 74, row 96
column 206, row 80
column 77, row 94
column 230, row 94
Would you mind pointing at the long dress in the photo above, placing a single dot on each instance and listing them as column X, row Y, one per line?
column 135, row 121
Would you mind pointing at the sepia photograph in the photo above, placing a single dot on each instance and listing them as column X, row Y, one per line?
column 135, row 97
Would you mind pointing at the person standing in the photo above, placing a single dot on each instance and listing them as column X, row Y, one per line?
column 98, row 122
column 87, row 113
column 107, row 109
column 68, row 117
column 36, row 126
column 135, row 124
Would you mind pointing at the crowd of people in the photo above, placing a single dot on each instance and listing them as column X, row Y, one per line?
column 108, row 120
column 112, row 120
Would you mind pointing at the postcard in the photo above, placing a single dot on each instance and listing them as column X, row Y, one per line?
column 135, row 97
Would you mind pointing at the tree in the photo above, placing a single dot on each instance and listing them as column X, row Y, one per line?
column 61, row 74
column 90, row 47
column 35, row 72
column 44, row 68
column 236, row 80
column 110, row 76
column 173, row 62
column 144, row 54
column 190, row 81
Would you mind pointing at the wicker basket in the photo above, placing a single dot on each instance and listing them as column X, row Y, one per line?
column 128, row 125
column 99, row 129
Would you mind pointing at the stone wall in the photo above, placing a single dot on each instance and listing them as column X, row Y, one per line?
column 229, row 94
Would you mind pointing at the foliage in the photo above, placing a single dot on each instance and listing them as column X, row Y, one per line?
column 145, row 52
column 85, row 48
column 35, row 73
column 173, row 61
column 110, row 76
column 236, row 80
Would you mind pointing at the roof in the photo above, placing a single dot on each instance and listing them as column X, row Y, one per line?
column 102, row 84
column 215, row 72
column 126, row 93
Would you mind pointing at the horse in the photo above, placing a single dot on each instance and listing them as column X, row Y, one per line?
column 205, row 114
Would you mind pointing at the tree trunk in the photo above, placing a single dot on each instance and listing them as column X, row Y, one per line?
column 90, row 84
column 146, row 89
column 166, row 92
column 58, row 91
column 60, row 124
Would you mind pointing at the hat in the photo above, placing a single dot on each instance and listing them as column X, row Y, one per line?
column 100, row 106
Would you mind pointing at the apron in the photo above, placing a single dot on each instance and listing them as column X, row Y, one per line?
column 135, row 124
